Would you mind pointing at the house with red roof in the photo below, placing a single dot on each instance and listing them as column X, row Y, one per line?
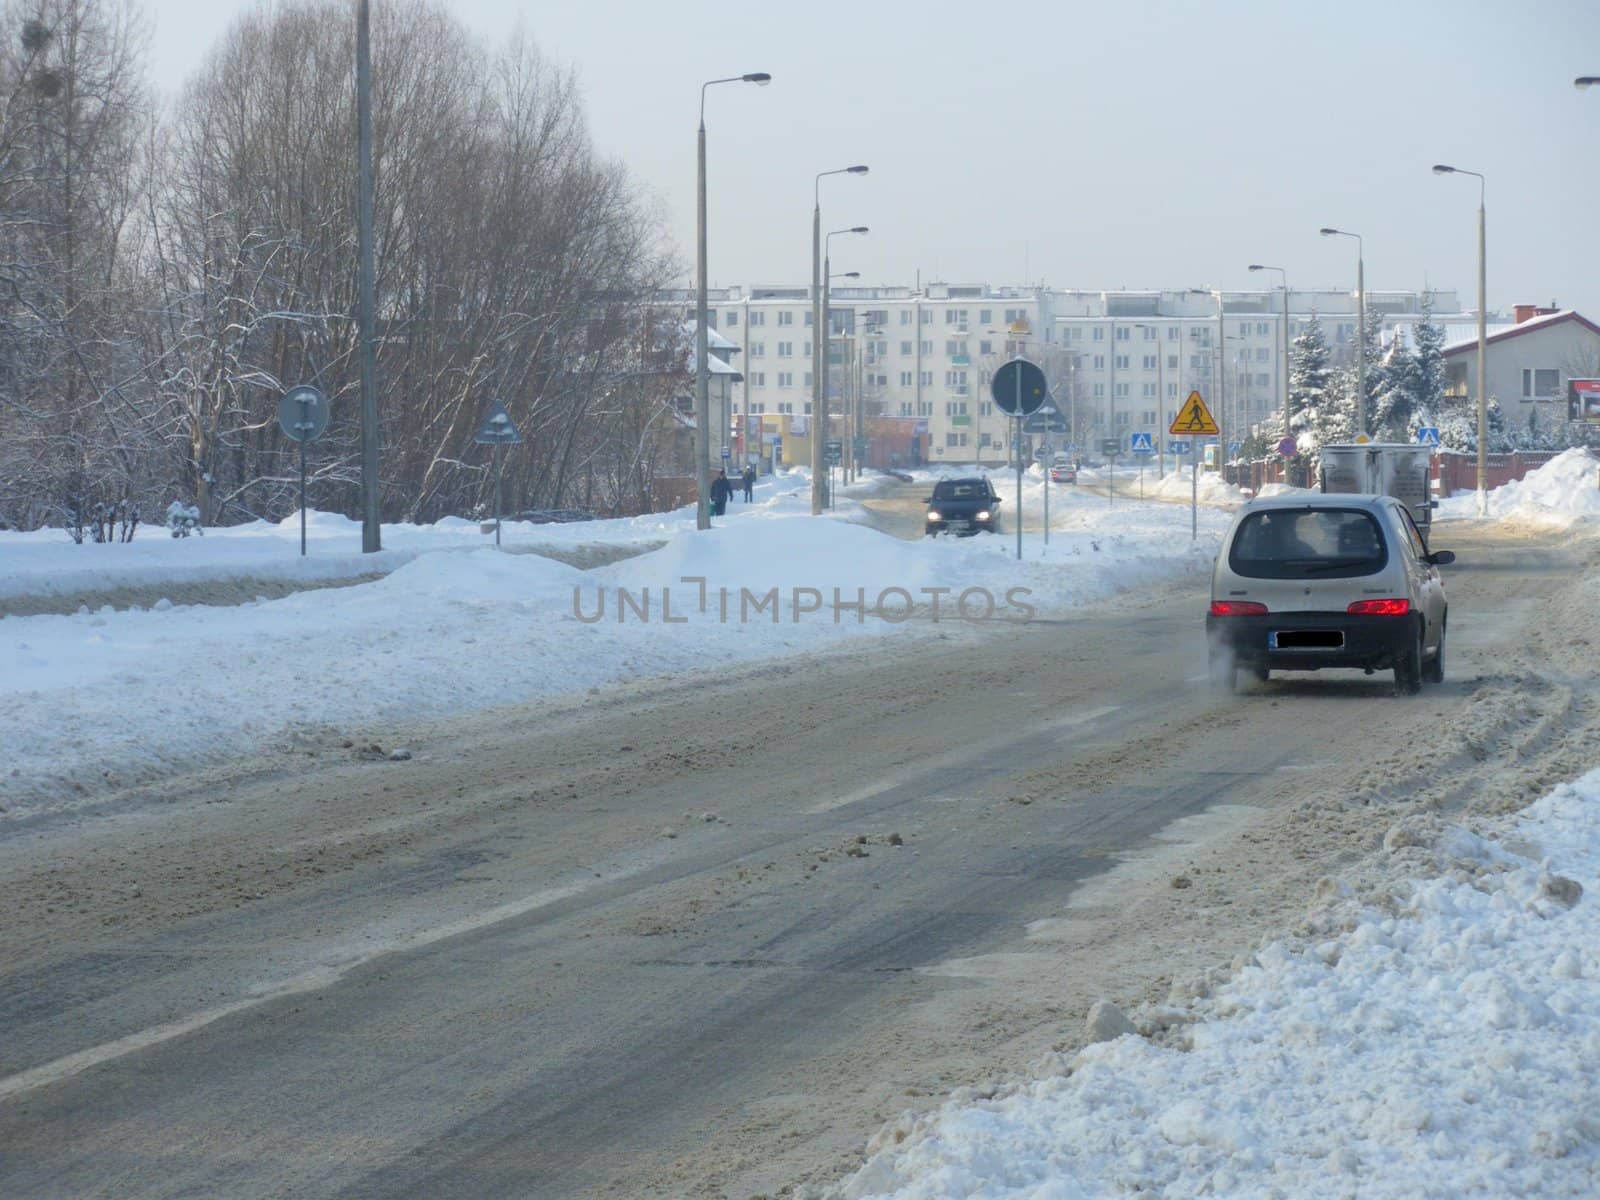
column 1527, row 364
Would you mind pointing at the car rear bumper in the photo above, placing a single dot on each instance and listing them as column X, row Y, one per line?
column 1308, row 641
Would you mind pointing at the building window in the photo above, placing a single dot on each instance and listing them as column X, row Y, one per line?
column 1099, row 391
column 985, row 347
column 786, row 406
column 1099, row 362
column 1173, row 333
column 1122, row 362
column 1244, row 328
column 1149, row 362
column 1147, row 417
column 1122, row 391
column 785, row 379
column 808, row 381
column 1172, row 362
column 924, row 408
column 927, row 349
column 1172, row 389
column 1263, row 353
column 758, row 409
column 1124, row 420
column 1263, row 380
column 1099, row 333
column 758, row 349
column 927, row 316
column 905, row 316
column 905, row 379
column 905, row 408
column 758, row 318
column 1263, row 329
column 1149, row 333
column 785, row 317
column 758, row 379
column 733, row 318
column 1149, row 391
column 956, row 381
column 926, row 379
column 985, row 316
column 809, row 317
column 955, row 349
column 785, row 349
column 907, row 349
column 1122, row 333
column 808, row 408
column 985, row 408
column 1540, row 384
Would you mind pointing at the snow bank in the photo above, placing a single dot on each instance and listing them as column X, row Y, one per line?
column 1446, row 1051
column 1563, row 492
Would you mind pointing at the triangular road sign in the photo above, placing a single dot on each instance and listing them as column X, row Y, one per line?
column 1193, row 417
column 498, row 429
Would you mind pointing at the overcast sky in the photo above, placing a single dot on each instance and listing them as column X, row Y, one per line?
column 1102, row 145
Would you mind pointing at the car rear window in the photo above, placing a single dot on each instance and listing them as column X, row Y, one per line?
column 1317, row 543
column 961, row 490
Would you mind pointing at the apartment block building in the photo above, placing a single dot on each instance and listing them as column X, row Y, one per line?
column 915, row 363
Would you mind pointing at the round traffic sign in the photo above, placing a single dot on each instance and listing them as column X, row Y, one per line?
column 1287, row 447
column 303, row 413
column 1018, row 388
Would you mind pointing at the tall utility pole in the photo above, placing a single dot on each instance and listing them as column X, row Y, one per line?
column 702, row 401
column 819, row 342
column 1288, row 414
column 1361, row 328
column 371, row 536
column 1483, row 339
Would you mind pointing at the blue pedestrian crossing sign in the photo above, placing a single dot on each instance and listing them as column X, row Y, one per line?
column 1141, row 443
column 1428, row 435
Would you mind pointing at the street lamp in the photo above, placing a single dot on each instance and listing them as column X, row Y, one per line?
column 1288, row 415
column 1161, row 402
column 826, row 332
column 1361, row 329
column 702, row 402
column 819, row 340
column 1483, row 330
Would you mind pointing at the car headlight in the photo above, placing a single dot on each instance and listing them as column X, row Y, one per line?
column 932, row 515
column 984, row 515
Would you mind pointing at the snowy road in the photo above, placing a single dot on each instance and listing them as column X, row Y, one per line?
column 703, row 939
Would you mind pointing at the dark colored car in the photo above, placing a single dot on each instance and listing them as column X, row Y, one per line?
column 963, row 506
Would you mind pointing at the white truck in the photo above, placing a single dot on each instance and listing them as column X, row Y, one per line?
column 1398, row 469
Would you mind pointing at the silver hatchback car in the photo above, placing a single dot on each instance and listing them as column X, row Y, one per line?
column 1306, row 582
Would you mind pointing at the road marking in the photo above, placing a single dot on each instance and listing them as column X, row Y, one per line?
column 308, row 981
column 955, row 758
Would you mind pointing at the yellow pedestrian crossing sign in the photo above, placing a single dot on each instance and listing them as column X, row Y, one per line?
column 1193, row 417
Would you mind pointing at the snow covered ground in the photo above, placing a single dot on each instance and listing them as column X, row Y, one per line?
column 1445, row 1048
column 1440, row 1046
column 124, row 694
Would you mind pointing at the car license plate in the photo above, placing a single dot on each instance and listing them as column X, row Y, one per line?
column 1305, row 639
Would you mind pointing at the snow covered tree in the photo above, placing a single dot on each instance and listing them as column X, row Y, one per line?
column 1395, row 400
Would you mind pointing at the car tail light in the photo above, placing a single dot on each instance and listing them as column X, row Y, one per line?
column 1380, row 608
column 1236, row 608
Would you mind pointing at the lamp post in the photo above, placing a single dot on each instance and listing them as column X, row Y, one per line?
column 1361, row 329
column 1161, row 404
column 1288, row 414
column 1483, row 339
column 829, row 277
column 824, row 339
column 702, row 403
column 819, row 340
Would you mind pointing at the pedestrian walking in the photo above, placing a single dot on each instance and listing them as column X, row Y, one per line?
column 749, row 483
column 721, row 493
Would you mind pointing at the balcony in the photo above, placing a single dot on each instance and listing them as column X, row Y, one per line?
column 960, row 360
